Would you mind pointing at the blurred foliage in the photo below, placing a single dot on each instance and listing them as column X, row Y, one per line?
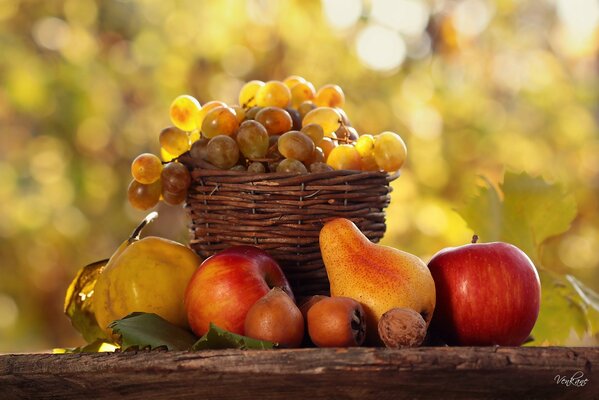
column 475, row 88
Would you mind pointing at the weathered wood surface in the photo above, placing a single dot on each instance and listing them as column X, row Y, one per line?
column 307, row 374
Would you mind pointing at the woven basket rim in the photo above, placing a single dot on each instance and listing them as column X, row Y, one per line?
column 198, row 169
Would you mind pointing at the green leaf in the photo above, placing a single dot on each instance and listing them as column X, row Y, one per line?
column 77, row 304
column 143, row 330
column 218, row 338
column 98, row 346
column 531, row 211
column 526, row 211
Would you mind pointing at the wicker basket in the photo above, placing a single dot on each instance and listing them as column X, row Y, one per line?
column 283, row 214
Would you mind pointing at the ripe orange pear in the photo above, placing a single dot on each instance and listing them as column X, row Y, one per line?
column 379, row 277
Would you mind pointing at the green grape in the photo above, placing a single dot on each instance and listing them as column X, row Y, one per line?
column 252, row 140
column 146, row 168
column 183, row 111
column 273, row 94
column 390, row 151
column 314, row 131
column 256, row 167
column 211, row 105
column 293, row 80
column 328, row 118
column 223, row 151
column 175, row 177
column 317, row 156
column 327, row 145
column 345, row 156
column 247, row 94
column 329, row 96
column 251, row 113
column 275, row 119
column 365, row 145
column 296, row 120
column 199, row 149
column 173, row 199
column 289, row 165
column 317, row 167
column 239, row 113
column 296, row 145
column 143, row 196
column 305, row 108
column 301, row 92
column 219, row 121
column 174, row 140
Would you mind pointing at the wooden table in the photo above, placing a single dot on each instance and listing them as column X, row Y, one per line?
column 307, row 374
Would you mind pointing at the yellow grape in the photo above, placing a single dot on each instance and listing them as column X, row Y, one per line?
column 174, row 140
column 256, row 167
column 289, row 165
column 166, row 156
column 317, row 156
column 247, row 94
column 345, row 156
column 369, row 163
column 329, row 96
column 142, row 196
column 219, row 121
column 296, row 145
column 252, row 112
column 173, row 198
column 292, row 80
column 314, row 131
column 273, row 93
column 276, row 120
column 222, row 151
column 305, row 107
column 239, row 113
column 390, row 151
column 146, row 168
column 211, row 105
column 365, row 145
column 328, row 118
column 175, row 178
column 252, row 140
column 183, row 112
column 194, row 136
column 301, row 92
column 320, row 167
column 327, row 145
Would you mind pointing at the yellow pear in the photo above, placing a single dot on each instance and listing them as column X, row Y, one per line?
column 146, row 275
column 379, row 277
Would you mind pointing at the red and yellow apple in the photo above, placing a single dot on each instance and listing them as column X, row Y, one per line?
column 487, row 294
column 226, row 285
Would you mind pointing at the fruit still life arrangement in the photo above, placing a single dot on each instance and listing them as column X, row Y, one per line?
column 287, row 158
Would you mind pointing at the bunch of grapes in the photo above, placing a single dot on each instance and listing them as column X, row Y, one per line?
column 279, row 126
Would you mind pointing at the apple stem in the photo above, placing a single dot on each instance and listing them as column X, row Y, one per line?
column 149, row 218
column 474, row 238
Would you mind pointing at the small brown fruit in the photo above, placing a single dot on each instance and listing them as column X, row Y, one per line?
column 309, row 302
column 337, row 322
column 402, row 327
column 275, row 318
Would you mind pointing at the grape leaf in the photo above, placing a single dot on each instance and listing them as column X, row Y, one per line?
column 218, row 338
column 145, row 330
column 526, row 211
column 531, row 211
column 77, row 304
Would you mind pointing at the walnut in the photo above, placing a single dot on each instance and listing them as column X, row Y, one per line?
column 402, row 327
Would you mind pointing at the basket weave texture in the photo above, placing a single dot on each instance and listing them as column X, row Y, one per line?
column 282, row 214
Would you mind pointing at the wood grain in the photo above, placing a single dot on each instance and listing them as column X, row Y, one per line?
column 307, row 374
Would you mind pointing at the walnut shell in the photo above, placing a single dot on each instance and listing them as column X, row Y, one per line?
column 402, row 327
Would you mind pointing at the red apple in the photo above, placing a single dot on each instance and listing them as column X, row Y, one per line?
column 226, row 285
column 487, row 294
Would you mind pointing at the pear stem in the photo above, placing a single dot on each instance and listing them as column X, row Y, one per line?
column 149, row 218
column 474, row 238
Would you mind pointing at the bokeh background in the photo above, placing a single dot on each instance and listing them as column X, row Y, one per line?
column 475, row 87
